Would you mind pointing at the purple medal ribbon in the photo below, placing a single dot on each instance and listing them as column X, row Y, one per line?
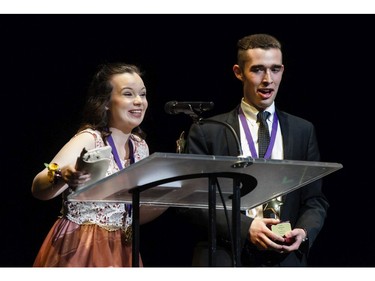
column 115, row 154
column 118, row 161
column 250, row 139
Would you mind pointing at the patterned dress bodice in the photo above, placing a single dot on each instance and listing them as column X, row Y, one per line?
column 111, row 215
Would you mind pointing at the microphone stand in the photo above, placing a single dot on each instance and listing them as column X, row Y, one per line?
column 195, row 115
column 236, row 206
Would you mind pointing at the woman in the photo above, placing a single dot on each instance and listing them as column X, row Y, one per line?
column 89, row 234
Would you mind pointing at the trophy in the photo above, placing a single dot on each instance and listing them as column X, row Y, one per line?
column 272, row 209
column 181, row 143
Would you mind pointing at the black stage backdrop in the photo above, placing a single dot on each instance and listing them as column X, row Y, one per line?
column 47, row 62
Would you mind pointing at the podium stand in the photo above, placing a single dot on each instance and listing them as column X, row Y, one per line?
column 191, row 180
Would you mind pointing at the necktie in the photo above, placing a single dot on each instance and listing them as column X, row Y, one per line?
column 263, row 133
column 271, row 209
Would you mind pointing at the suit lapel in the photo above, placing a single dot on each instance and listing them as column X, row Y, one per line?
column 233, row 121
column 285, row 133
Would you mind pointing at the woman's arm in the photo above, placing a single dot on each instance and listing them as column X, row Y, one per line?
column 66, row 158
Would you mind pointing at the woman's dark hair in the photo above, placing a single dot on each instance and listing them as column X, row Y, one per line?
column 95, row 115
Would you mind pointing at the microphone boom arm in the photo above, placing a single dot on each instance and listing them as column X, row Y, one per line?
column 201, row 121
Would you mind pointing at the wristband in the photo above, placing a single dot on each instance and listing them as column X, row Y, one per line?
column 54, row 172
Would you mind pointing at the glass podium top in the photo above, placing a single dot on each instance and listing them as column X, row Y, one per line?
column 182, row 180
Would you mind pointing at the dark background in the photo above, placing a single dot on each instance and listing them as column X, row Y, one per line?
column 47, row 62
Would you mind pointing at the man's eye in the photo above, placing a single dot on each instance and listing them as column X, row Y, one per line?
column 257, row 69
column 276, row 69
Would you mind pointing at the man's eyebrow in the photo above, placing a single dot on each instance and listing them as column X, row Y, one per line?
column 257, row 65
column 263, row 66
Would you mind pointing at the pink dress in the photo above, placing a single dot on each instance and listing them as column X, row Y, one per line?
column 91, row 234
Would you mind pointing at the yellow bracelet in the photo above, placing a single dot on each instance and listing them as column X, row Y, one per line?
column 54, row 172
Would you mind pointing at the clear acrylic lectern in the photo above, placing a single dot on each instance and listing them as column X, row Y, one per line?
column 196, row 181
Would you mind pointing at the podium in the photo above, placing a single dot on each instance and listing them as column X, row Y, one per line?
column 201, row 181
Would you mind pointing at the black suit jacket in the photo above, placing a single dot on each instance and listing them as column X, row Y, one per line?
column 304, row 208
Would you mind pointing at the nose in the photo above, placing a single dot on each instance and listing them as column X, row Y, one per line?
column 137, row 99
column 267, row 77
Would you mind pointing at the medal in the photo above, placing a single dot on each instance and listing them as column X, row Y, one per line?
column 127, row 235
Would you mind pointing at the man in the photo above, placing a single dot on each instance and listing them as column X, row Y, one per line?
column 260, row 68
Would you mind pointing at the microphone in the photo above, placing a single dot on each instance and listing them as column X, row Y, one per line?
column 188, row 107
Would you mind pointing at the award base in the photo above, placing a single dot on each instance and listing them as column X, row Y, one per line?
column 281, row 229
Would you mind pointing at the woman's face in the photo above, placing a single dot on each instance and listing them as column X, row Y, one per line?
column 128, row 102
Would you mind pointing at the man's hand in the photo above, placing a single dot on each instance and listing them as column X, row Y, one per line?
column 262, row 236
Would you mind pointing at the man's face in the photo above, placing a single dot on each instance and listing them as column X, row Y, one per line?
column 261, row 76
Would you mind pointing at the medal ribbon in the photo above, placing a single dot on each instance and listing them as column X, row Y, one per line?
column 250, row 140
